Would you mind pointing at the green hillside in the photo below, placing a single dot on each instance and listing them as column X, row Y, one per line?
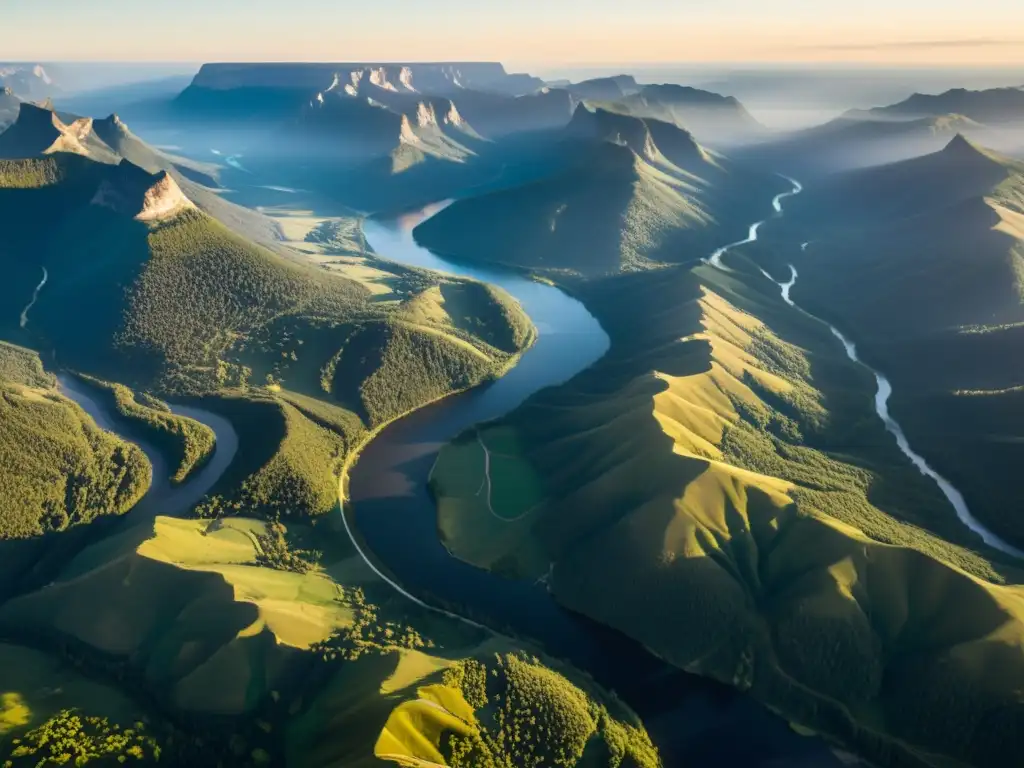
column 254, row 634
column 57, row 468
column 635, row 193
column 268, row 659
column 186, row 441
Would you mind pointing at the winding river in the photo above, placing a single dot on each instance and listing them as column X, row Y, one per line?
column 882, row 394
column 394, row 515
column 388, row 489
column 163, row 497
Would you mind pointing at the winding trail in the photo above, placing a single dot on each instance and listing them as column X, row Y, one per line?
column 882, row 393
column 35, row 297
column 163, row 497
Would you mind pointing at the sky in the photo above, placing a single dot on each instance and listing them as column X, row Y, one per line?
column 519, row 32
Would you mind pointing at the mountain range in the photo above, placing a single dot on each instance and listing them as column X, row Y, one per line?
column 28, row 81
column 919, row 125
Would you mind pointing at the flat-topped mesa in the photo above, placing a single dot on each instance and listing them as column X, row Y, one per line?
column 315, row 77
column 144, row 196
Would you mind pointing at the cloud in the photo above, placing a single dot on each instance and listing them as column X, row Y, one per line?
column 920, row 45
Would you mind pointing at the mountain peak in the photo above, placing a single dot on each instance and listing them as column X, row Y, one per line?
column 962, row 146
column 144, row 196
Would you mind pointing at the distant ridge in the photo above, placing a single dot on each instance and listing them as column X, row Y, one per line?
column 959, row 172
column 992, row 106
column 719, row 121
column 604, row 88
column 438, row 77
column 862, row 139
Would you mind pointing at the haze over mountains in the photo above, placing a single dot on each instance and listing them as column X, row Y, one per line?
column 918, row 125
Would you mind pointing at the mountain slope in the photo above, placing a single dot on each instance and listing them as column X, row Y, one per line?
column 39, row 131
column 74, row 471
column 634, row 192
column 9, row 106
column 921, row 263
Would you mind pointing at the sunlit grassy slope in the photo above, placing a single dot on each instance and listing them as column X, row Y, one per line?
column 764, row 529
column 336, row 666
column 634, row 193
column 921, row 263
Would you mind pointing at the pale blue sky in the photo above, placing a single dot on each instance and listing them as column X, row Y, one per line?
column 519, row 32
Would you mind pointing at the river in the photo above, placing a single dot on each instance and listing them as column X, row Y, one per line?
column 23, row 320
column 163, row 497
column 391, row 508
column 882, row 394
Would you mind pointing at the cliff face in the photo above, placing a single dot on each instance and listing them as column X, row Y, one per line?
column 131, row 191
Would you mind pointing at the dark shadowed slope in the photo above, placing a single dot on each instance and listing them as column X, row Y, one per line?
column 921, row 263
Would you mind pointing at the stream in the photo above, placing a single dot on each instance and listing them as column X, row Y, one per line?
column 882, row 394
column 23, row 320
